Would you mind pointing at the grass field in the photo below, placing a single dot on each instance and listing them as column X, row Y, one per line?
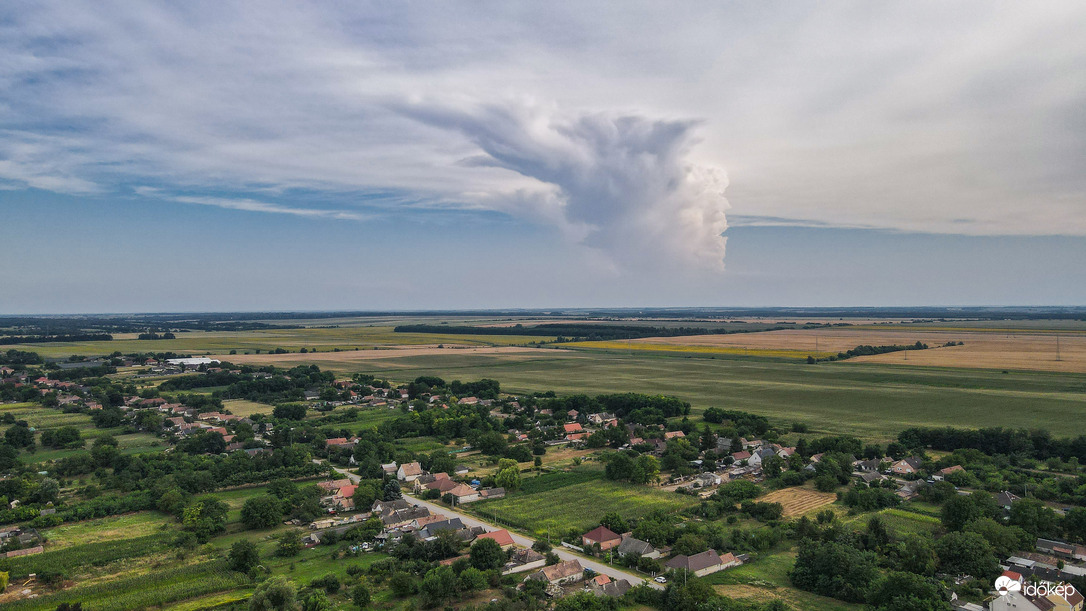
column 578, row 502
column 871, row 400
column 799, row 501
column 644, row 346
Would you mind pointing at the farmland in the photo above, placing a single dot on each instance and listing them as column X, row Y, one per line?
column 577, row 501
column 872, row 400
column 799, row 501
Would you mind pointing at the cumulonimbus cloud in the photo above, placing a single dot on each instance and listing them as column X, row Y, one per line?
column 621, row 183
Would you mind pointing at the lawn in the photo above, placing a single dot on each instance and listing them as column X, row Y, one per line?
column 576, row 502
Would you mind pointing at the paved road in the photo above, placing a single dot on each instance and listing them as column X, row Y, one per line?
column 563, row 553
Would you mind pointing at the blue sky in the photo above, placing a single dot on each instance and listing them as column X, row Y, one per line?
column 208, row 157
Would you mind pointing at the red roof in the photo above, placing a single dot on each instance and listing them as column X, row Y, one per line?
column 347, row 491
column 501, row 536
column 601, row 534
column 1013, row 575
column 573, row 427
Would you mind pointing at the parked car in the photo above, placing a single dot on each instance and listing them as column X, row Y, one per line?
column 660, row 579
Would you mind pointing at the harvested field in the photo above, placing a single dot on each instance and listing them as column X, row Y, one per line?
column 243, row 408
column 994, row 348
column 349, row 361
column 799, row 501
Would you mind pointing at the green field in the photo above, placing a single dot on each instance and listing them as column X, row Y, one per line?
column 577, row 503
column 873, row 401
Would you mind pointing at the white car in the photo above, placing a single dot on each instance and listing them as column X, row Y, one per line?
column 660, row 580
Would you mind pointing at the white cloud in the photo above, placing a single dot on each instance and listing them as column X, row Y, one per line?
column 914, row 116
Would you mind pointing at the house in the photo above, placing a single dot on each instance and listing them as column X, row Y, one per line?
column 1017, row 601
column 906, row 466
column 941, row 474
column 404, row 516
column 389, row 469
column 523, row 559
column 409, row 472
column 461, row 470
column 468, row 401
column 865, row 466
column 602, row 585
column 424, row 521
column 432, row 529
column 674, row 435
column 563, row 572
column 333, row 485
column 463, row 493
column 740, row 456
column 638, row 548
column 492, row 493
column 387, row 507
column 870, row 477
column 1062, row 549
column 1068, row 599
column 759, row 455
column 703, row 564
column 572, row 427
column 441, row 485
column 706, row 480
column 1005, row 500
column 909, row 490
column 502, row 537
column 602, row 536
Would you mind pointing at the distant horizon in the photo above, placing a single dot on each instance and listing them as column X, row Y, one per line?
column 844, row 311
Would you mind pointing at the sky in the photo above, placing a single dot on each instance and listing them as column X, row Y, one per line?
column 314, row 156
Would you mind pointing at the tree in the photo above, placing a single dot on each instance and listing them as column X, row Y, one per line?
column 689, row 544
column 438, row 585
column 915, row 554
column 1074, row 524
column 316, row 600
column 1034, row 517
column 391, row 491
column 364, row 496
column 290, row 543
column 360, row 594
column 402, row 584
column 959, row 511
column 614, row 522
column 243, row 556
column 1004, row 540
column 487, row 555
column 4, row 576
column 289, row 411
column 907, row 592
column 966, row 554
column 834, row 569
column 509, row 477
column 275, row 594
column 472, row 579
column 261, row 512
column 19, row 435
